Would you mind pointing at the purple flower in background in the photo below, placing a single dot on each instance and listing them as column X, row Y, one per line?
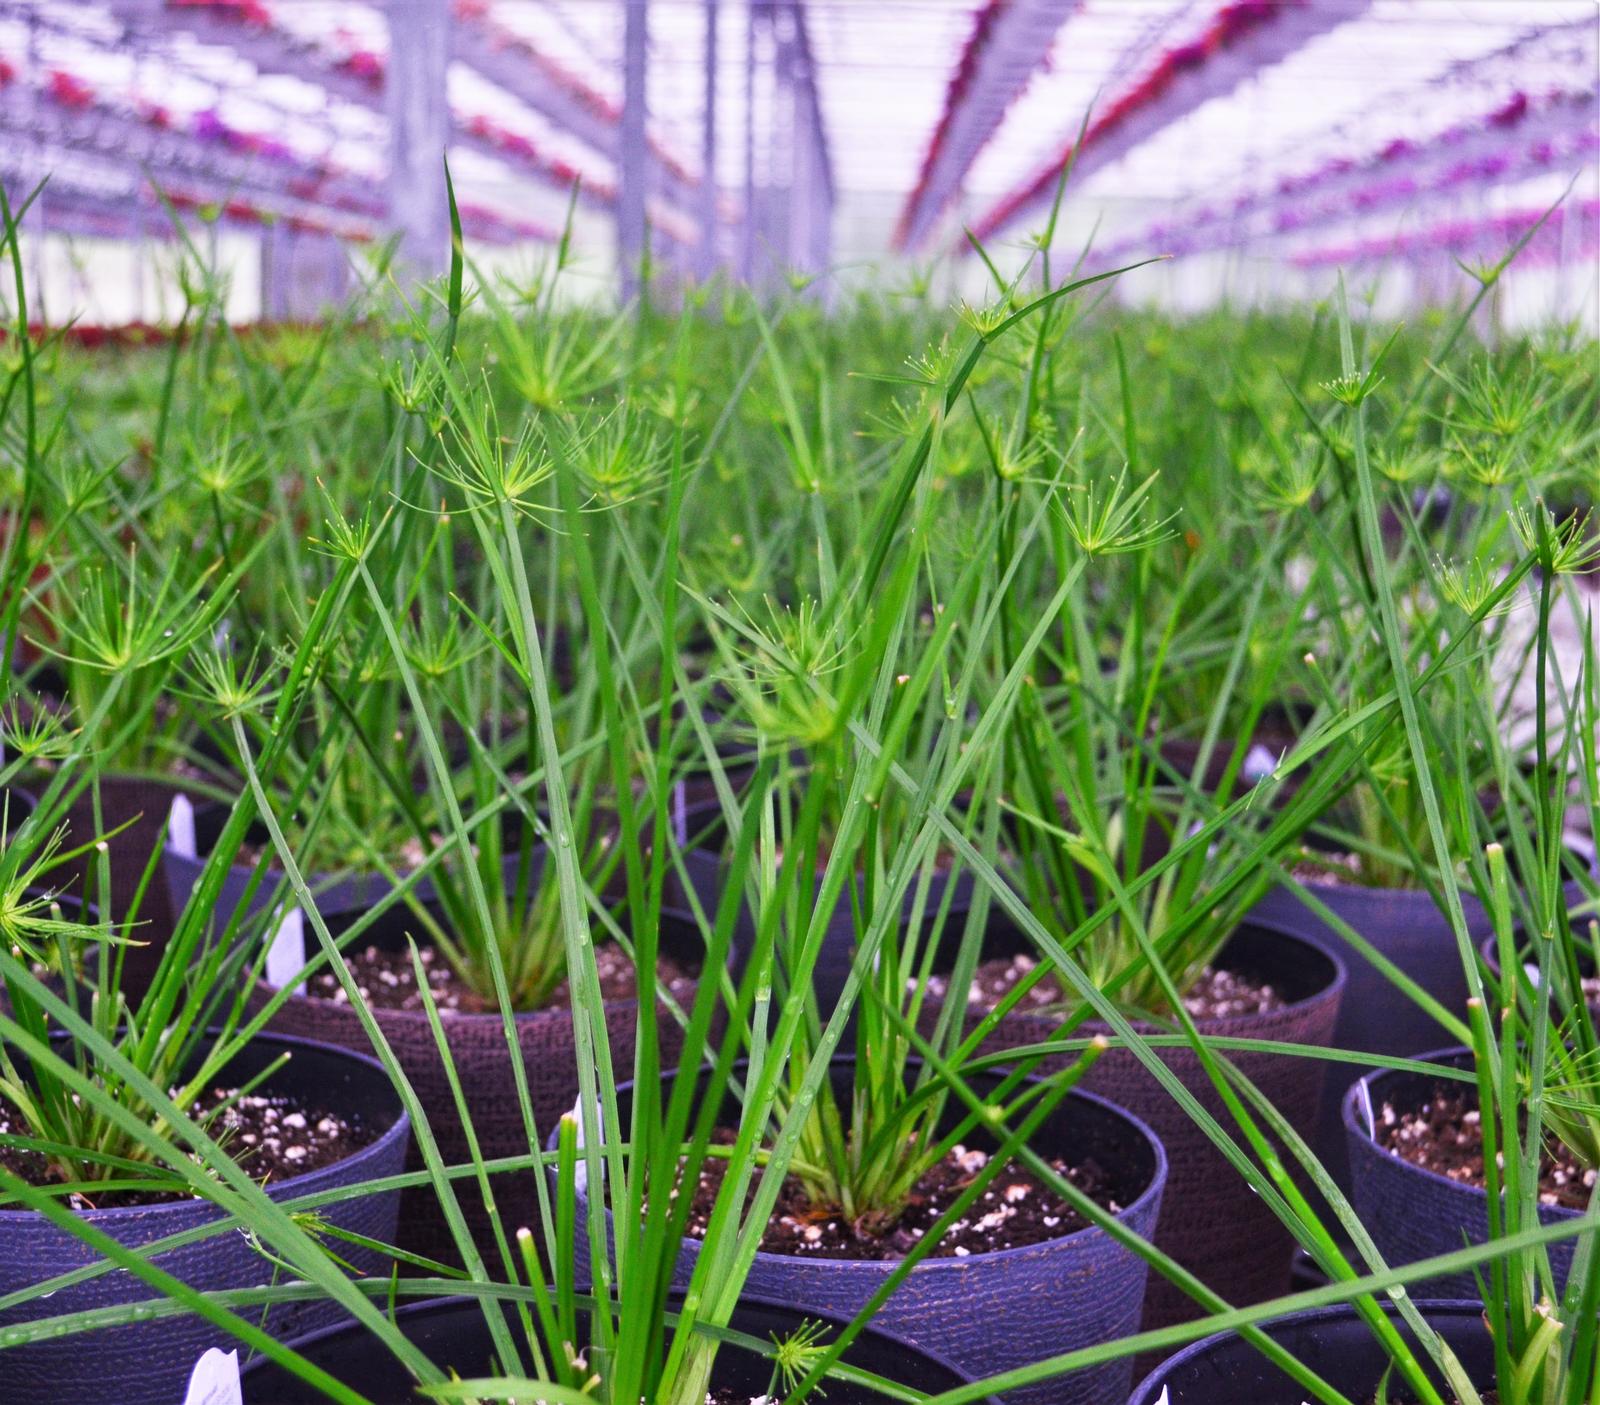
column 1187, row 56
column 208, row 126
column 1512, row 113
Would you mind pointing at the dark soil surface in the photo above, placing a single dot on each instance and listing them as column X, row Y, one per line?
column 1445, row 1135
column 1015, row 1210
column 410, row 855
column 944, row 858
column 1492, row 1398
column 1217, row 994
column 387, row 982
column 836, row 1395
column 271, row 1137
column 1328, row 871
column 845, row 1395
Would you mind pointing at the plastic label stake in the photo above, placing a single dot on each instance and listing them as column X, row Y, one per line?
column 1259, row 763
column 215, row 1380
column 180, row 828
column 286, row 957
column 580, row 1171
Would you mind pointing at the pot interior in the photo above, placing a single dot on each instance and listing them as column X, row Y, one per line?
column 352, row 1085
column 1081, row 1128
column 1405, row 1090
column 1298, row 969
column 1333, row 1342
column 452, row 1333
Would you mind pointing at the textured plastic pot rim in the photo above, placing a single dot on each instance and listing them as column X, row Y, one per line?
column 1341, row 972
column 1145, row 1392
column 273, row 876
column 1355, row 1122
column 322, row 1002
column 21, row 802
column 945, row 1264
column 397, row 1131
column 751, row 1300
column 684, row 820
column 1337, row 984
column 1573, row 842
column 1489, row 947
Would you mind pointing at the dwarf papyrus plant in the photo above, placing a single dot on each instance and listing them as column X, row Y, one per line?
column 1544, row 1344
column 103, row 1089
column 1538, row 1065
column 121, row 1043
column 634, row 1351
column 1093, row 794
column 452, row 658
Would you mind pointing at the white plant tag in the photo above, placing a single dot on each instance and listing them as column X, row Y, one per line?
column 1259, row 763
column 680, row 815
column 215, row 1380
column 180, row 828
column 1366, row 1109
column 286, row 957
column 1164, row 1399
column 580, row 1171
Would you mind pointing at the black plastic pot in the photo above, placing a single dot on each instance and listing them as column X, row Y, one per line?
column 1489, row 950
column 1211, row 1221
column 987, row 1313
column 1333, row 1342
column 339, row 897
column 150, row 1362
column 1409, row 930
column 701, row 830
column 1265, row 748
column 482, row 1061
column 452, row 1333
column 137, row 808
column 16, row 805
column 1412, row 1213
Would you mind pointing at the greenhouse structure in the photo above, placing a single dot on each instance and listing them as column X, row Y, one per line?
column 741, row 702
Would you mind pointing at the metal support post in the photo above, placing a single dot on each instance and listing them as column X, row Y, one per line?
column 631, row 250
column 417, row 104
column 708, row 149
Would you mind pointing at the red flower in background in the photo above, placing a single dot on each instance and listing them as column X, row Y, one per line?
column 69, row 91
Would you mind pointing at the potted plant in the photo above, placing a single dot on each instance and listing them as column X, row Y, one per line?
column 767, row 1348
column 487, row 929
column 136, row 1133
column 1511, row 1138
column 1369, row 880
column 833, row 1183
column 1134, row 872
column 120, row 634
